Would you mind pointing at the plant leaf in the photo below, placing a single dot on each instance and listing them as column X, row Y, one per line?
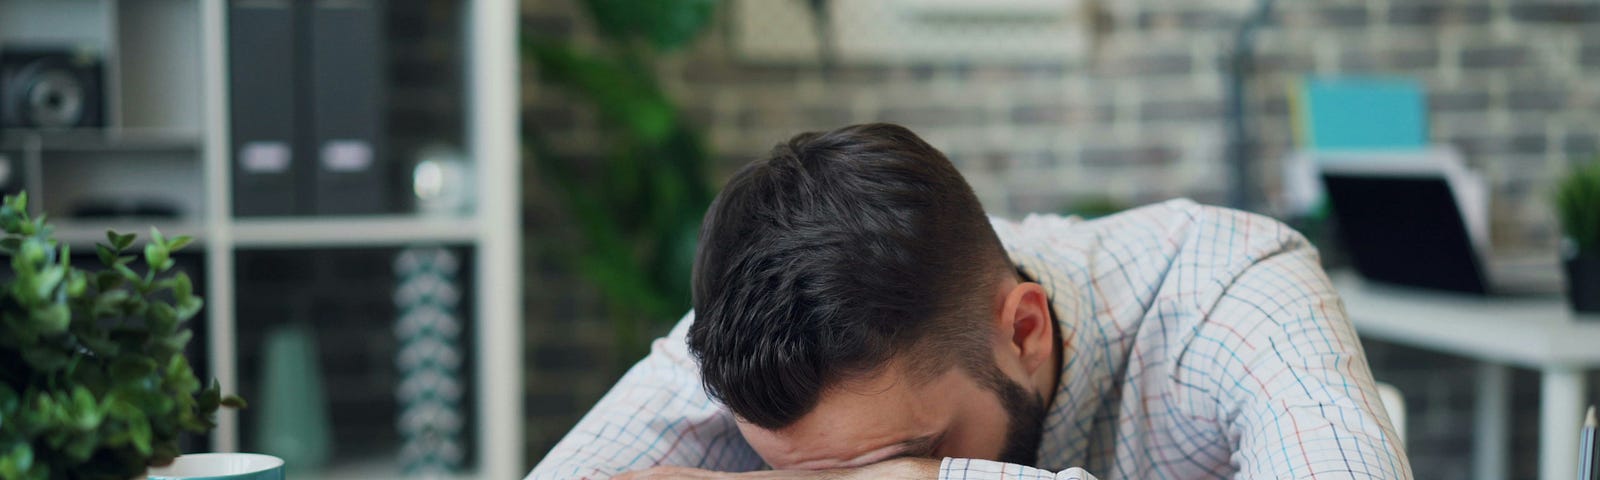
column 139, row 429
column 182, row 288
column 48, row 280
column 17, row 461
column 107, row 280
column 132, row 367
column 208, row 399
column 122, row 241
column 162, row 317
column 187, row 308
column 107, row 256
column 77, row 284
column 128, row 273
column 234, row 401
column 52, row 319
column 179, row 242
column 46, row 359
column 18, row 201
column 155, row 256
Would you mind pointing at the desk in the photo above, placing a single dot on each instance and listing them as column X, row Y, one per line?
column 1540, row 333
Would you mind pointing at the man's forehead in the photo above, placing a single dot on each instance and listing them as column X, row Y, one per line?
column 785, row 450
column 864, row 421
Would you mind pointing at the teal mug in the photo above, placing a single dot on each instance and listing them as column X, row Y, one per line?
column 221, row 466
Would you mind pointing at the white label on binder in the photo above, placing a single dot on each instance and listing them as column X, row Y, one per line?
column 346, row 156
column 264, row 157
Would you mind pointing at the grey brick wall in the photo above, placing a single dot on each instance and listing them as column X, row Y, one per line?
column 1514, row 84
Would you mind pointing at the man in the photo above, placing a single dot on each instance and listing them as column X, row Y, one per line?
column 856, row 315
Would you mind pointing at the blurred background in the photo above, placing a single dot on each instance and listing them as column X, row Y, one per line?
column 1078, row 107
column 432, row 233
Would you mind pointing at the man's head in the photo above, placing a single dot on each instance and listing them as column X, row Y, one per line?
column 853, row 304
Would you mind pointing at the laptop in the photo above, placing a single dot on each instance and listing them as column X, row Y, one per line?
column 1406, row 225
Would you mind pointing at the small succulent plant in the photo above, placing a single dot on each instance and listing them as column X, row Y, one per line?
column 93, row 380
column 1578, row 208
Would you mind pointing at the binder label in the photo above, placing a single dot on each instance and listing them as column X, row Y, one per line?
column 346, row 156
column 264, row 157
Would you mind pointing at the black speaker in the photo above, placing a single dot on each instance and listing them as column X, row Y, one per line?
column 51, row 88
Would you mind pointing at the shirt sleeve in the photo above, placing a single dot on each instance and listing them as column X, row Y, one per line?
column 968, row 469
column 1295, row 394
column 657, row 414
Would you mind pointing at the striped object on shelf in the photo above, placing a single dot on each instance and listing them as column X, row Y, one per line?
column 430, row 358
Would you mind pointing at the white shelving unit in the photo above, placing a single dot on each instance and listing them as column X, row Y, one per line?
column 190, row 135
column 292, row 233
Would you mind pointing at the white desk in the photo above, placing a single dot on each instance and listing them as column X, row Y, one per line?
column 1540, row 333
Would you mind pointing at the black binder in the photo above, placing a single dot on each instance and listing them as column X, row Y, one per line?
column 345, row 100
column 262, row 84
column 306, row 89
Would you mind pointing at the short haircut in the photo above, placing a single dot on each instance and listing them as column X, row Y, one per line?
column 834, row 254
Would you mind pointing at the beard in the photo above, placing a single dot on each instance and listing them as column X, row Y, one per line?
column 1025, row 427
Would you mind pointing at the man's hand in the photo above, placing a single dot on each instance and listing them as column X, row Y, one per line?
column 900, row 468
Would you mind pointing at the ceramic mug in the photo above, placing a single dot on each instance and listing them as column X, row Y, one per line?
column 221, row 466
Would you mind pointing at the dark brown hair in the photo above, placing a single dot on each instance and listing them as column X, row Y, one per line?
column 837, row 252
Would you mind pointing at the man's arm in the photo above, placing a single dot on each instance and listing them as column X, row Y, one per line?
column 897, row 469
column 967, row 469
column 1289, row 378
column 656, row 415
column 659, row 416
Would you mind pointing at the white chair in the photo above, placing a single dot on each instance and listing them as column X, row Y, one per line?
column 1395, row 404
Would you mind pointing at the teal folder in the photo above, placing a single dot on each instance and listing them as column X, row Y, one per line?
column 1363, row 113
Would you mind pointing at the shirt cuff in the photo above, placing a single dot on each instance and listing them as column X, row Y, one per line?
column 969, row 469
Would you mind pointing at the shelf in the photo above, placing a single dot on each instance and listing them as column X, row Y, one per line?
column 102, row 140
column 167, row 90
column 354, row 231
column 287, row 232
column 84, row 233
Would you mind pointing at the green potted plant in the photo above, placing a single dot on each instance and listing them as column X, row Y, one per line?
column 95, row 384
column 1578, row 207
column 637, row 207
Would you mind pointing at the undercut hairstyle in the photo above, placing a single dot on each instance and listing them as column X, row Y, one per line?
column 834, row 254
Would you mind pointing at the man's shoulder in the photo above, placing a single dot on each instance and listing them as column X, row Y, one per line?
column 1175, row 250
column 1170, row 226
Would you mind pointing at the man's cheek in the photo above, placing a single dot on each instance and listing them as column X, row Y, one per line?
column 978, row 431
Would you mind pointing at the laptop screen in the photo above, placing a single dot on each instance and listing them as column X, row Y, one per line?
column 1405, row 230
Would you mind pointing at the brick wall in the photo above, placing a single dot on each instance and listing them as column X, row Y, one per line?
column 1514, row 84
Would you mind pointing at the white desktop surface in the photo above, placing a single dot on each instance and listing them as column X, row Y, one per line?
column 1528, row 331
column 1537, row 332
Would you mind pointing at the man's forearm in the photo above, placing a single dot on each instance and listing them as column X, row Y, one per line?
column 897, row 469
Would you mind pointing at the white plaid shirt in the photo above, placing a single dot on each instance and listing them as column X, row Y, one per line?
column 1200, row 342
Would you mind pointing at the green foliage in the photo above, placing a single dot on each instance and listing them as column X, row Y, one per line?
column 1578, row 207
column 1093, row 207
column 638, row 207
column 95, row 384
column 659, row 24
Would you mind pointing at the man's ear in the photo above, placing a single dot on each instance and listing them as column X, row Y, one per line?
column 1025, row 328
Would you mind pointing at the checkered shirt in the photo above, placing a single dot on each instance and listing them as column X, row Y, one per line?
column 1199, row 342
